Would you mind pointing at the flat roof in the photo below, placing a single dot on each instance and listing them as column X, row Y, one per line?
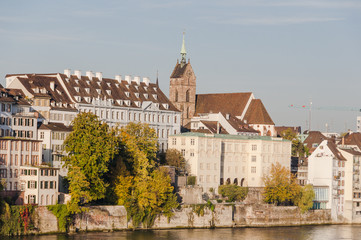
column 229, row 136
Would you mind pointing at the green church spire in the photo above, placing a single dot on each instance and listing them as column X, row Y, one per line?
column 183, row 52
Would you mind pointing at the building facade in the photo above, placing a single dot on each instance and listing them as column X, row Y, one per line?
column 217, row 159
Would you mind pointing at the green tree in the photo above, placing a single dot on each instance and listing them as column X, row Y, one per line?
column 298, row 149
column 281, row 187
column 233, row 192
column 141, row 187
column 175, row 158
column 90, row 147
column 304, row 200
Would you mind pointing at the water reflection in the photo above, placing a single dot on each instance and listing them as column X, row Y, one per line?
column 329, row 232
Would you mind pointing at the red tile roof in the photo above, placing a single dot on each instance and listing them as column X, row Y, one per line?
column 257, row 113
column 178, row 70
column 228, row 103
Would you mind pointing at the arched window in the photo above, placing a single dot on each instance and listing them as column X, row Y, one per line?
column 187, row 96
column 176, row 96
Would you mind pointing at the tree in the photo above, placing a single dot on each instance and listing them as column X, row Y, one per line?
column 90, row 147
column 304, row 200
column 233, row 192
column 141, row 187
column 280, row 186
column 298, row 149
column 175, row 158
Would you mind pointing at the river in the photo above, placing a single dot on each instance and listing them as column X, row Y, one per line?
column 328, row 232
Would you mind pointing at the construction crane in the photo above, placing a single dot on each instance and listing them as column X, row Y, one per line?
column 326, row 108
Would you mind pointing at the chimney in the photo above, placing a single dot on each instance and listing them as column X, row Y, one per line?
column 99, row 75
column 136, row 79
column 146, row 81
column 218, row 128
column 90, row 75
column 77, row 73
column 118, row 78
column 127, row 78
column 67, row 72
column 227, row 116
column 343, row 141
column 52, row 85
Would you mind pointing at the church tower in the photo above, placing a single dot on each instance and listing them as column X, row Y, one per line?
column 182, row 88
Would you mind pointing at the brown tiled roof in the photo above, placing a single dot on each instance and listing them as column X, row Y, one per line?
column 59, row 127
column 239, row 125
column 334, row 150
column 178, row 70
column 14, row 96
column 351, row 151
column 280, row 129
column 212, row 126
column 257, row 113
column 228, row 103
column 353, row 139
column 314, row 137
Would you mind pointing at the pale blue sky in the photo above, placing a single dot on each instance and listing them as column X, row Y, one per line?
column 284, row 51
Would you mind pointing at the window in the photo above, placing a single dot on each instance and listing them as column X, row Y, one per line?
column 32, row 184
column 174, row 141
column 253, row 169
column 192, row 141
column 254, row 158
column 254, row 147
column 183, row 152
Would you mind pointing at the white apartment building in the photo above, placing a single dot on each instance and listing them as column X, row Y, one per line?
column 59, row 97
column 326, row 172
column 352, row 212
column 39, row 184
column 217, row 159
column 15, row 153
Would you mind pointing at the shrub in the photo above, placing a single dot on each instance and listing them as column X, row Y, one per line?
column 233, row 192
column 191, row 180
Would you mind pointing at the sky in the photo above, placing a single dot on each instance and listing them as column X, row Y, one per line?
column 284, row 51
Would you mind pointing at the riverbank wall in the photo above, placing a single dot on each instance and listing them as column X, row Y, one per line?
column 111, row 218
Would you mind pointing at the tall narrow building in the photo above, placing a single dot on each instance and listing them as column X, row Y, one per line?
column 182, row 89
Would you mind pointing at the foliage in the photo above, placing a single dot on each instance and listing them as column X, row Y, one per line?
column 199, row 209
column 63, row 215
column 17, row 220
column 298, row 149
column 175, row 158
column 90, row 147
column 191, row 180
column 304, row 199
column 280, row 186
column 141, row 187
column 233, row 192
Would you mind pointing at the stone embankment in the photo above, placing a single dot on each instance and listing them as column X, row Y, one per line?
column 110, row 218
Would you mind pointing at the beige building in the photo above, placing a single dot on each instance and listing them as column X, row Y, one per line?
column 217, row 159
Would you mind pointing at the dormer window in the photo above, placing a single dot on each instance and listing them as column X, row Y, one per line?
column 127, row 86
column 166, row 105
column 120, row 102
column 155, row 96
column 67, row 79
column 87, row 90
column 117, row 85
column 155, row 89
column 52, row 103
column 88, row 82
column 87, row 99
column 58, row 91
column 136, row 87
column 99, row 91
column 76, row 81
column 146, row 88
column 137, row 103
column 43, row 90
column 156, row 105
column 137, row 95
column 98, row 83
column 109, row 92
column 127, row 94
column 127, row 102
column 146, row 95
column 108, row 84
column 78, row 98
column 65, row 104
column 76, row 89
